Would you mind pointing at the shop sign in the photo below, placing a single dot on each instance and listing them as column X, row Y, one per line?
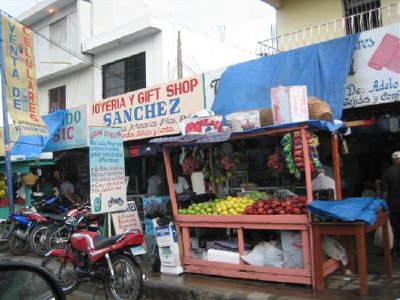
column 150, row 112
column 127, row 220
column 375, row 74
column 107, row 170
column 211, row 80
column 73, row 132
column 20, row 75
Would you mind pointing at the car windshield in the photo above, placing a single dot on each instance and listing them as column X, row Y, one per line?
column 24, row 285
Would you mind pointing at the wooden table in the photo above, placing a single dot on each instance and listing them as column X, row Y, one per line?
column 349, row 229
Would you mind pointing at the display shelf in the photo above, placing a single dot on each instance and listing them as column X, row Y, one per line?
column 300, row 223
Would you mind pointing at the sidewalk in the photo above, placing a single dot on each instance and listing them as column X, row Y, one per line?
column 195, row 287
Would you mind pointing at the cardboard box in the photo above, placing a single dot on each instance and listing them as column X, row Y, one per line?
column 201, row 125
column 249, row 119
column 289, row 104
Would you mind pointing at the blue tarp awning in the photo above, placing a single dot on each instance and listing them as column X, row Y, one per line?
column 322, row 67
column 224, row 136
column 349, row 209
column 30, row 146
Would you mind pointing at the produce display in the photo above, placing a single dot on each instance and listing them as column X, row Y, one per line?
column 229, row 206
column 293, row 205
column 3, row 191
column 252, row 203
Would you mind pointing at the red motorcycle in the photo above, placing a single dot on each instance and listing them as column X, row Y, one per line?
column 88, row 256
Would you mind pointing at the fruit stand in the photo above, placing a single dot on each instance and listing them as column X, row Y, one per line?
column 269, row 217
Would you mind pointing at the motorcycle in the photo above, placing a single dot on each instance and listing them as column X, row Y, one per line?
column 57, row 235
column 53, row 210
column 22, row 223
column 113, row 201
column 88, row 256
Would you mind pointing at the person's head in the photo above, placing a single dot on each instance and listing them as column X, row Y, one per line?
column 396, row 157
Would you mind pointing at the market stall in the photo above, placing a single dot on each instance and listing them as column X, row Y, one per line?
column 293, row 227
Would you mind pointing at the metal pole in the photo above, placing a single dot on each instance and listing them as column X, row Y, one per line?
column 179, row 57
column 7, row 147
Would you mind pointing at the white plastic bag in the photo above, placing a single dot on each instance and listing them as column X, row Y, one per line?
column 292, row 249
column 334, row 249
column 256, row 256
column 378, row 238
column 265, row 254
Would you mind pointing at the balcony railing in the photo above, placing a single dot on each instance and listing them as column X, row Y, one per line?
column 364, row 21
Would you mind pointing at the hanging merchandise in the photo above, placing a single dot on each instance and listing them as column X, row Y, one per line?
column 275, row 162
column 287, row 151
column 227, row 163
column 190, row 164
column 293, row 152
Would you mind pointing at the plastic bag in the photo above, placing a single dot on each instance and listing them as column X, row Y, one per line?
column 265, row 254
column 334, row 249
column 292, row 249
column 378, row 237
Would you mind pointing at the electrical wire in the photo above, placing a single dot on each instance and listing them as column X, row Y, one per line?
column 73, row 53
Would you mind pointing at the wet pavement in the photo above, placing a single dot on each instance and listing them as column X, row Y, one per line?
column 339, row 285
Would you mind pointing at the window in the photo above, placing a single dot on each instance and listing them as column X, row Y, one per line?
column 361, row 15
column 124, row 75
column 57, row 99
column 58, row 31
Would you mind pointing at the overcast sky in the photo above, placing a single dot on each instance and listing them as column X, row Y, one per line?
column 242, row 23
column 238, row 22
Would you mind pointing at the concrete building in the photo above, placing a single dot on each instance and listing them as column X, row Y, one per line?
column 91, row 50
column 372, row 92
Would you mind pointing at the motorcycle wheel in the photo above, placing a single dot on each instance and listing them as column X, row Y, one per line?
column 64, row 271
column 128, row 282
column 56, row 238
column 35, row 237
column 18, row 246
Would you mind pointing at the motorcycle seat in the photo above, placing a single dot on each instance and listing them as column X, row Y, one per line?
column 55, row 217
column 101, row 241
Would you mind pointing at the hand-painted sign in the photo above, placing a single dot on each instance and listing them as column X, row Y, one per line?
column 375, row 75
column 127, row 220
column 150, row 112
column 20, row 74
column 107, row 170
column 73, row 132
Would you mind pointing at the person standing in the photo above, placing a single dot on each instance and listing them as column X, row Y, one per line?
column 153, row 183
column 181, row 185
column 391, row 193
column 321, row 182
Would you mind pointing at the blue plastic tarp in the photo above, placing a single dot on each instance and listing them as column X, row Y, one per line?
column 349, row 209
column 322, row 67
column 32, row 145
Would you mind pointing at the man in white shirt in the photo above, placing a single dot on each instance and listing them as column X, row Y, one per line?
column 181, row 185
column 323, row 182
column 153, row 184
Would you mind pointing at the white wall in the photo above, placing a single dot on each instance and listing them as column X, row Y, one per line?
column 78, row 89
column 151, row 45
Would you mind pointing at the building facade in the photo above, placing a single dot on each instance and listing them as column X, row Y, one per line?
column 92, row 50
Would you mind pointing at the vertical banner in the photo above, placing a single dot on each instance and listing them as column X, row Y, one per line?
column 20, row 75
column 107, row 170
